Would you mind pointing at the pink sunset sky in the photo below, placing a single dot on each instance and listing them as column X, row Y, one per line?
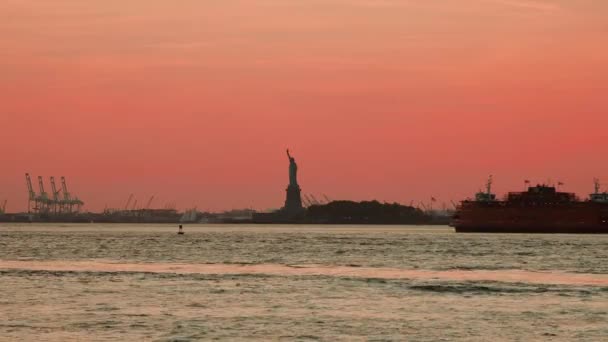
column 195, row 101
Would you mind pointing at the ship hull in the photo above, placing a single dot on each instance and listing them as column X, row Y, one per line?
column 502, row 217
column 533, row 229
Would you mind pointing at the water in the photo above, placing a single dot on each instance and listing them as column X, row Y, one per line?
column 145, row 282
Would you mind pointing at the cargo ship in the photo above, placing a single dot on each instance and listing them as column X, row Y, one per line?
column 540, row 209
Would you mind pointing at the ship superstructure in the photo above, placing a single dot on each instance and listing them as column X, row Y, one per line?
column 597, row 196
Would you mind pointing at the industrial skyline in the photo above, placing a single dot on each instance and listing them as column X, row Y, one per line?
column 62, row 201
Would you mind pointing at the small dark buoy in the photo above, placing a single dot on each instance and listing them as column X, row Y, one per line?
column 180, row 231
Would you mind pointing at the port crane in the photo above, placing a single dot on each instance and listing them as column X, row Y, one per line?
column 3, row 208
column 32, row 195
column 43, row 197
column 149, row 202
column 67, row 198
column 454, row 204
column 56, row 200
column 44, row 202
column 128, row 202
column 306, row 201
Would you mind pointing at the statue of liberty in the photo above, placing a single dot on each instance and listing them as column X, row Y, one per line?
column 293, row 170
column 293, row 201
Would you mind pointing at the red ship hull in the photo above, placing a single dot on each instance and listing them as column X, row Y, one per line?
column 532, row 229
column 505, row 217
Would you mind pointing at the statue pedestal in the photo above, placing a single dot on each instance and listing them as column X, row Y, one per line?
column 293, row 201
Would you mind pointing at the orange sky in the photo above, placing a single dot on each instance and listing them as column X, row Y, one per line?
column 195, row 101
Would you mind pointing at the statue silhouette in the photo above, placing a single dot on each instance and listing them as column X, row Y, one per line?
column 293, row 201
column 293, row 170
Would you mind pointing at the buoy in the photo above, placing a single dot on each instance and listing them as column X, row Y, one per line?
column 180, row 231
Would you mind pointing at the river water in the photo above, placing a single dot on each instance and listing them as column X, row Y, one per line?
column 97, row 282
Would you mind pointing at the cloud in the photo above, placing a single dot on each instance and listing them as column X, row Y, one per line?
column 542, row 6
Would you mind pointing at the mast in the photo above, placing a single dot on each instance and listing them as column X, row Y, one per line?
column 596, row 183
column 486, row 196
column 489, row 186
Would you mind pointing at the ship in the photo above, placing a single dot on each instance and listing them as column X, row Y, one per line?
column 540, row 209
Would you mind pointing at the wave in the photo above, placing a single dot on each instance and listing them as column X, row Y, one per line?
column 508, row 276
column 497, row 288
